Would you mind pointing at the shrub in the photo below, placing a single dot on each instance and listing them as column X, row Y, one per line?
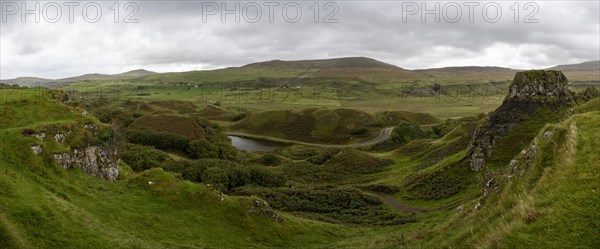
column 406, row 132
column 358, row 131
column 381, row 188
column 270, row 159
column 323, row 156
column 192, row 170
column 225, row 175
column 141, row 158
column 438, row 184
column 158, row 139
column 329, row 204
column 119, row 115
column 202, row 149
column 198, row 149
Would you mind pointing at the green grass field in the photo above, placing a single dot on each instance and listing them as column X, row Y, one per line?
column 326, row 196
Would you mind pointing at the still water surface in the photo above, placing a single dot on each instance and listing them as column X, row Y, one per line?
column 250, row 144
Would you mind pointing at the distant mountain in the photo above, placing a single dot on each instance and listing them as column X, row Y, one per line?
column 28, row 81
column 348, row 67
column 342, row 68
column 121, row 76
column 136, row 73
column 586, row 71
column 346, row 62
column 585, row 66
column 32, row 81
column 469, row 73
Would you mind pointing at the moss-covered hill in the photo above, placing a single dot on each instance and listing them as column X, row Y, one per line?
column 43, row 205
column 326, row 125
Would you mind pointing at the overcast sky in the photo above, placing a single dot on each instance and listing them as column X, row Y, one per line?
column 172, row 36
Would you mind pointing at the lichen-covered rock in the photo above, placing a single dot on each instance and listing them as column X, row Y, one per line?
column 37, row 149
column 96, row 161
column 60, row 137
column 262, row 208
column 548, row 135
column 539, row 83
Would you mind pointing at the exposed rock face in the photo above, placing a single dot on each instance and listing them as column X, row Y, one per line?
column 529, row 91
column 529, row 84
column 94, row 160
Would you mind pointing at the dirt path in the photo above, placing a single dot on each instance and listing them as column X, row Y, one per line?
column 390, row 200
column 383, row 135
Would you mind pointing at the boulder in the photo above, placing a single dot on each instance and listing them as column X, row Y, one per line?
column 96, row 161
column 37, row 149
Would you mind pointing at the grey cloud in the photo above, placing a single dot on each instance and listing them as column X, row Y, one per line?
column 172, row 36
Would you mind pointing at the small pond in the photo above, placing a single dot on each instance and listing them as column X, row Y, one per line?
column 250, row 144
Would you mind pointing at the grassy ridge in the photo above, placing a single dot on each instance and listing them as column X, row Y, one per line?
column 44, row 206
column 311, row 125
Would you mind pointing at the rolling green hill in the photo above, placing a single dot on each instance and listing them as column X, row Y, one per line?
column 33, row 81
column 586, row 71
column 148, row 173
column 43, row 205
column 469, row 74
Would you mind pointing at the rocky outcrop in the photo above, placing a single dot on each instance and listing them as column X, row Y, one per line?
column 262, row 208
column 529, row 91
column 94, row 160
column 539, row 83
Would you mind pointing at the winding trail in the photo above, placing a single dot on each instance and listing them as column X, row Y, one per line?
column 390, row 200
column 383, row 135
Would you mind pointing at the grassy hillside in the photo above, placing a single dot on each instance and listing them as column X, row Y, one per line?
column 312, row 125
column 470, row 74
column 543, row 193
column 585, row 71
column 43, row 205
column 549, row 200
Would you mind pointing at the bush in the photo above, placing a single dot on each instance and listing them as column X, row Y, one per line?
column 270, row 159
column 158, row 139
column 436, row 185
column 329, row 204
column 198, row 149
column 358, row 131
column 299, row 152
column 225, row 175
column 202, row 149
column 381, row 188
column 141, row 158
column 192, row 170
column 323, row 156
column 406, row 132
column 119, row 115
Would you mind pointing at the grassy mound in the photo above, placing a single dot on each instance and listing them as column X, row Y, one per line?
column 311, row 125
column 394, row 117
column 172, row 123
column 42, row 205
column 353, row 161
column 346, row 166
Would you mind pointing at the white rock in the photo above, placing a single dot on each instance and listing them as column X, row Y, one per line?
column 37, row 149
